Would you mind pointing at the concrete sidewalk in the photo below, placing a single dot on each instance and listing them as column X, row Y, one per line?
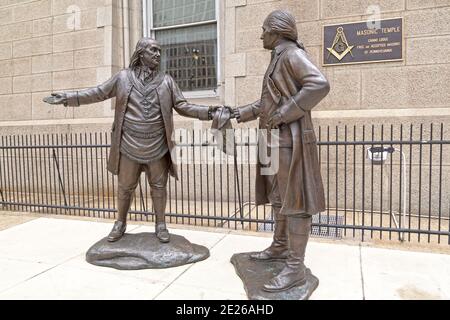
column 44, row 259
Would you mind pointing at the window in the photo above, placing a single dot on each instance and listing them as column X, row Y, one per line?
column 187, row 33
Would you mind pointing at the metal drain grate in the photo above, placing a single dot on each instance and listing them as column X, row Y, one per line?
column 324, row 231
column 319, row 232
column 265, row 227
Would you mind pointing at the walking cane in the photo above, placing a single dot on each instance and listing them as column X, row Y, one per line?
column 236, row 174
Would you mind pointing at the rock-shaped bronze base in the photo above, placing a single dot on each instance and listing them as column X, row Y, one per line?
column 255, row 274
column 145, row 251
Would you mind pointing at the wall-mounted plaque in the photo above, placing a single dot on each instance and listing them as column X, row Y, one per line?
column 363, row 42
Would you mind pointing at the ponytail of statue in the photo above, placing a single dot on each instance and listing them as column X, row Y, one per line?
column 283, row 23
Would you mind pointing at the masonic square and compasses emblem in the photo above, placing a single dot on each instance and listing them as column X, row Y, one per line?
column 340, row 47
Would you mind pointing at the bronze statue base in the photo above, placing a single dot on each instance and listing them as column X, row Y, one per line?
column 255, row 274
column 145, row 251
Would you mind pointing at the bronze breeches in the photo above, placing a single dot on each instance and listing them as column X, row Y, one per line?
column 157, row 175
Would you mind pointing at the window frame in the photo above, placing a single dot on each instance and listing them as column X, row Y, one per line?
column 149, row 31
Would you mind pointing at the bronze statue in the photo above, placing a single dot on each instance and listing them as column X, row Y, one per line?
column 292, row 86
column 142, row 129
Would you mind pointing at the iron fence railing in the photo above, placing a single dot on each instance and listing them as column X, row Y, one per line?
column 381, row 182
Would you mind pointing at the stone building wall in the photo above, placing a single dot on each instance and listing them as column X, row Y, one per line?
column 367, row 101
column 379, row 101
column 415, row 89
column 51, row 45
column 55, row 45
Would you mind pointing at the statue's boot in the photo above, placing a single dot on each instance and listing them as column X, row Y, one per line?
column 294, row 272
column 278, row 250
column 120, row 226
column 159, row 198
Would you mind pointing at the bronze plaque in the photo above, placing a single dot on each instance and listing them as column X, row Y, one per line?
column 359, row 42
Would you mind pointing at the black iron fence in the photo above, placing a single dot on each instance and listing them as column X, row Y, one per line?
column 381, row 182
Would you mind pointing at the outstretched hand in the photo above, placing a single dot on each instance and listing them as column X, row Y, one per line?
column 234, row 114
column 275, row 121
column 56, row 98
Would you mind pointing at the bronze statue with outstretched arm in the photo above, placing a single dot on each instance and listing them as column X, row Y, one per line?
column 142, row 129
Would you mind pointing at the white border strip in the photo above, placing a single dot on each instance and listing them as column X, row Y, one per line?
column 56, row 122
column 382, row 113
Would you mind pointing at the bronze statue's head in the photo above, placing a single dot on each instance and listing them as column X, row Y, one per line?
column 280, row 24
column 148, row 53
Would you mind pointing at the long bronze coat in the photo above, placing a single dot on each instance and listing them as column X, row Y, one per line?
column 120, row 86
column 296, row 85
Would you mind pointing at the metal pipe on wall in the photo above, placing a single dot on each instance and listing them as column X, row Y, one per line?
column 144, row 18
column 126, row 32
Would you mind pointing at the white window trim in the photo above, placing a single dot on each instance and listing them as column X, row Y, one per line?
column 184, row 25
column 150, row 32
column 200, row 94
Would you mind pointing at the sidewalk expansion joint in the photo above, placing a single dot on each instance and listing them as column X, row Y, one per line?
column 190, row 266
column 40, row 273
column 362, row 273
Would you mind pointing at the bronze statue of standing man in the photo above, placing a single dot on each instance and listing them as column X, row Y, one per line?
column 142, row 129
column 292, row 86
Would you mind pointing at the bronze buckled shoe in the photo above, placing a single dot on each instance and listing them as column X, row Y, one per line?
column 162, row 233
column 117, row 232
